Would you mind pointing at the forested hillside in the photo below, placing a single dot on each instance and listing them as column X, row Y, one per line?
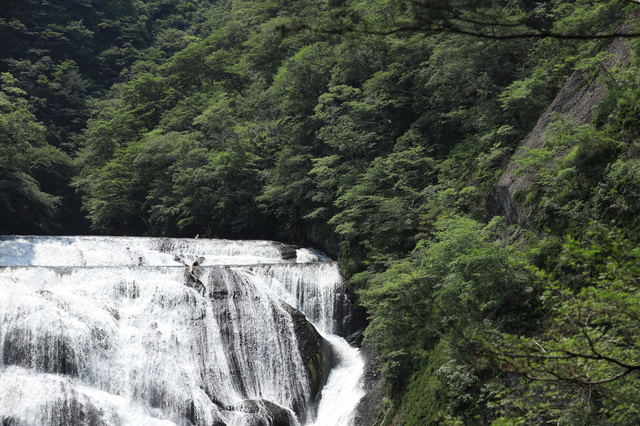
column 376, row 130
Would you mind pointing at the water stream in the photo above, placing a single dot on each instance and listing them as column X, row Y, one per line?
column 157, row 331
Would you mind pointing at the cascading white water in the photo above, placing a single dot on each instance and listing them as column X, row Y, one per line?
column 115, row 330
column 344, row 389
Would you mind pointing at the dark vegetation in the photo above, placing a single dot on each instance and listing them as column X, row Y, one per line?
column 380, row 144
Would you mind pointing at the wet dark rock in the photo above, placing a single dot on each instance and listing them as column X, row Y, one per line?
column 66, row 408
column 127, row 289
column 288, row 252
column 44, row 352
column 219, row 295
column 266, row 413
column 370, row 406
column 316, row 353
column 351, row 319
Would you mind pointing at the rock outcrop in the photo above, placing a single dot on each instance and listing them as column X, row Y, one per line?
column 576, row 101
column 370, row 407
column 315, row 352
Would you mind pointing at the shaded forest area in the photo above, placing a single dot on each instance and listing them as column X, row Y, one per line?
column 376, row 130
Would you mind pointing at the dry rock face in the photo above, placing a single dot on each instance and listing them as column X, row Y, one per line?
column 576, row 101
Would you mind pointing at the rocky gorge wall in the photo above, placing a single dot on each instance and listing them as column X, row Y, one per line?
column 577, row 101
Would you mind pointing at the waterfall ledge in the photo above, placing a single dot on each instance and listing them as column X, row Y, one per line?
column 108, row 330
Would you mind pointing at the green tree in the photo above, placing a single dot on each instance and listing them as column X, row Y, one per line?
column 454, row 285
column 113, row 195
column 590, row 343
column 24, row 207
column 378, row 215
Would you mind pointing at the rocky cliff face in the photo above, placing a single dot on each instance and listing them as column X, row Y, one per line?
column 576, row 101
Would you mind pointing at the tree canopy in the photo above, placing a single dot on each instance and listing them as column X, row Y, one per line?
column 376, row 131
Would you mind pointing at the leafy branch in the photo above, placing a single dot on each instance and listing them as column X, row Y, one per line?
column 592, row 340
column 459, row 17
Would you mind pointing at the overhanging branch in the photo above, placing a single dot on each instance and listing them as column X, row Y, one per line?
column 451, row 29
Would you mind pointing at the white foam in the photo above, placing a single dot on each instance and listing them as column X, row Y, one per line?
column 108, row 326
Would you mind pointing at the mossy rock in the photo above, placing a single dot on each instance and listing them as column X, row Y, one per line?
column 315, row 352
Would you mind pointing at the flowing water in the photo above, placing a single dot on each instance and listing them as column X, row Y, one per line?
column 157, row 331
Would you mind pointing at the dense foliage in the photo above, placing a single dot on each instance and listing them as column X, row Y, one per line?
column 378, row 136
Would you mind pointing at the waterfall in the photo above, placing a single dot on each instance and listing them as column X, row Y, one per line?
column 158, row 331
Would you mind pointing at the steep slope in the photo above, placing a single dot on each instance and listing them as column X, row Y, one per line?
column 576, row 101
